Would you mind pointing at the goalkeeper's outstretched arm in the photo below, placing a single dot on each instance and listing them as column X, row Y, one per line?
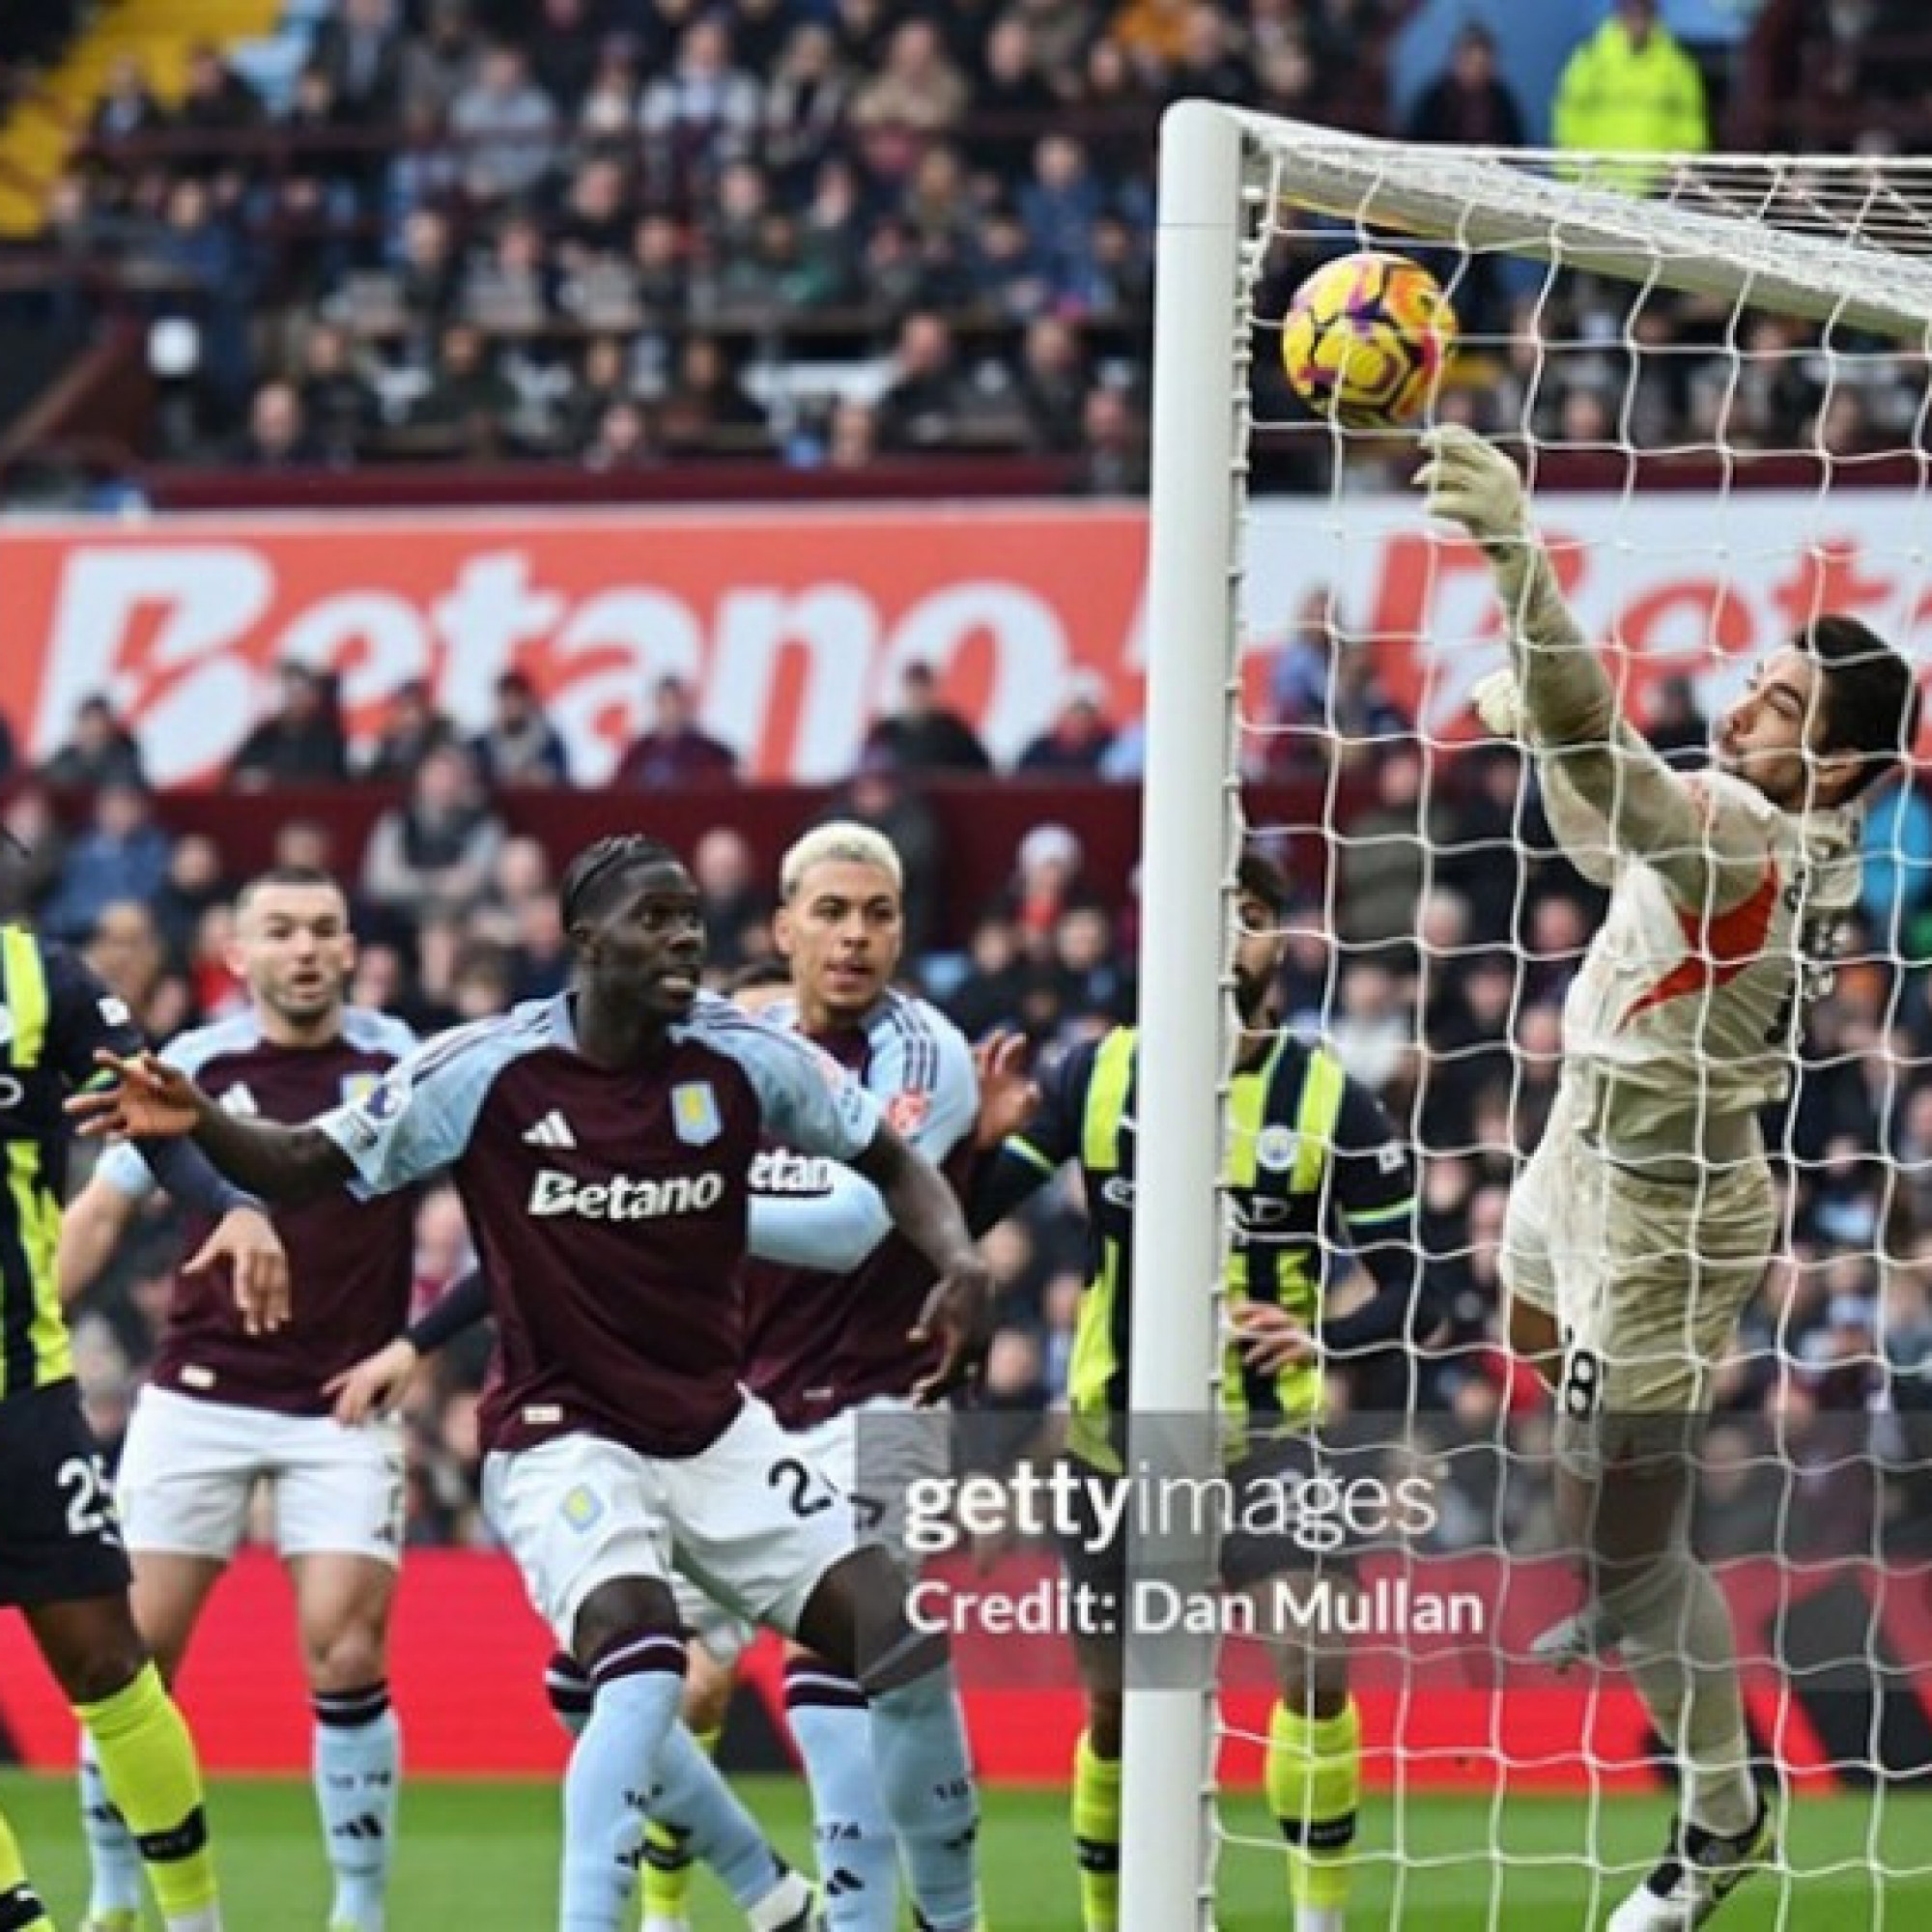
column 1582, row 741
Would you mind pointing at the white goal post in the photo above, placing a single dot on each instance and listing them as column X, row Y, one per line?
column 1845, row 243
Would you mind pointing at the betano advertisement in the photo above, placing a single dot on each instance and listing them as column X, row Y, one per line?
column 793, row 625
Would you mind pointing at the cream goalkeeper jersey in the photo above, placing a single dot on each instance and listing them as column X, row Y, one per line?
column 1686, row 1013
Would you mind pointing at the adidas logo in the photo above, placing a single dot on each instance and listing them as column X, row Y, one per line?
column 552, row 1131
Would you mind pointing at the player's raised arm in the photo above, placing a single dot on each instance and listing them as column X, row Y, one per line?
column 1566, row 697
column 149, row 1099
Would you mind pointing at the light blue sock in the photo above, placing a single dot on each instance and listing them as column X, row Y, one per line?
column 690, row 1797
column 919, row 1745
column 858, row 1856
column 357, row 1765
column 115, row 1863
column 608, row 1780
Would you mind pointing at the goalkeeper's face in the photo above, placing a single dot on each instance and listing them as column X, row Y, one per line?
column 1259, row 946
column 1774, row 736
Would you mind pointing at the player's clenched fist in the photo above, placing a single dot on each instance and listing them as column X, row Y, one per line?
column 1472, row 483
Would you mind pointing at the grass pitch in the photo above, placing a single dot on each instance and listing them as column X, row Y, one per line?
column 482, row 1858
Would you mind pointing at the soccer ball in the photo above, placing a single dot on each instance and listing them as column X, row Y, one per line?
column 1364, row 339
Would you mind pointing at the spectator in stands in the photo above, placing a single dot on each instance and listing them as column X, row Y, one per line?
column 920, row 91
column 1048, row 881
column 700, row 115
column 218, row 102
column 302, row 742
column 708, row 408
column 622, row 440
column 1630, row 88
column 362, row 52
column 997, row 979
column 1011, row 96
column 606, row 117
column 1053, row 382
column 1469, row 105
column 510, row 291
column 1060, row 204
column 439, row 64
column 467, row 407
column 674, row 751
column 803, row 115
column 426, row 270
column 435, row 852
column 520, row 745
column 32, row 850
column 1113, row 447
column 851, row 435
column 194, row 885
column 1075, row 743
column 277, row 435
column 99, row 750
column 1210, row 63
column 882, row 795
column 412, row 729
column 338, row 405
column 129, row 107
column 737, row 908
column 508, row 126
column 563, row 57
column 597, row 217
column 1092, row 975
column 925, row 398
column 122, row 855
column 924, row 736
column 124, row 947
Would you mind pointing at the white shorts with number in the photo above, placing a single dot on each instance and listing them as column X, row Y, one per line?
column 189, row 1470
column 876, row 1451
column 873, row 1453
column 1645, row 1278
column 750, row 1520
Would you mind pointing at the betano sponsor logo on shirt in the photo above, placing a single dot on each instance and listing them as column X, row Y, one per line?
column 783, row 1171
column 624, row 1197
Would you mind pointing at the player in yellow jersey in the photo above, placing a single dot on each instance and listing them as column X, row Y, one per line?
column 1313, row 1155
column 62, row 1562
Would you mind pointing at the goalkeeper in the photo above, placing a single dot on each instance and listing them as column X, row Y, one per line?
column 1310, row 1150
column 1644, row 1220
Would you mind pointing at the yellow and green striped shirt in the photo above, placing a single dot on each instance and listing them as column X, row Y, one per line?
column 54, row 1015
column 1311, row 1153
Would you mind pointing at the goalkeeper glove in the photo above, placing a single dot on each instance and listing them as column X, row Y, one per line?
column 1471, row 483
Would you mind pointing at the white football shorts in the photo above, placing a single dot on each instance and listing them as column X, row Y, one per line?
column 1646, row 1278
column 189, row 1467
column 750, row 1521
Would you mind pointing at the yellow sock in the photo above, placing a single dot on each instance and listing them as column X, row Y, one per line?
column 21, row 1907
column 1097, row 1837
column 148, row 1764
column 1314, row 1788
column 668, row 1864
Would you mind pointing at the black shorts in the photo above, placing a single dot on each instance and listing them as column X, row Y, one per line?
column 1267, row 1530
column 60, row 1540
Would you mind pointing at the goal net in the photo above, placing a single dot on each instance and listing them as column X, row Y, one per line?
column 1713, row 375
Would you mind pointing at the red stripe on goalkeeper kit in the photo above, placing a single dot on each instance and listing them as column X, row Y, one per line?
column 1723, row 946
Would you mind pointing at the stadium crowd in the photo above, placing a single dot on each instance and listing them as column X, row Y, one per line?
column 1434, row 955
column 620, row 233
